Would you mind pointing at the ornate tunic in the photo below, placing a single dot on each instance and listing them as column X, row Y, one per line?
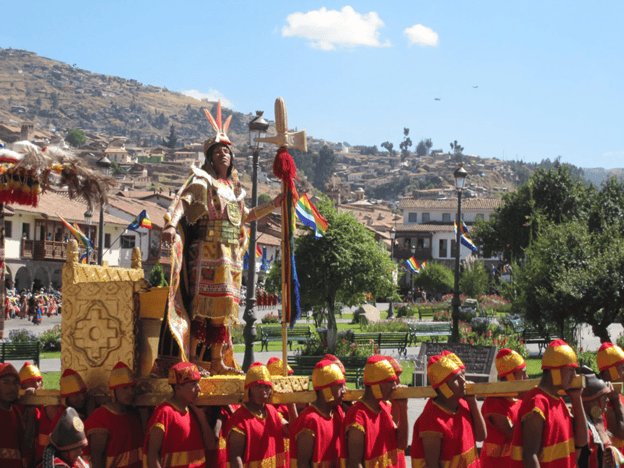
column 380, row 446
column 328, row 449
column 458, row 446
column 557, row 444
column 11, row 438
column 496, row 450
column 183, row 444
column 212, row 244
column 264, row 439
column 617, row 442
column 124, row 447
column 46, row 426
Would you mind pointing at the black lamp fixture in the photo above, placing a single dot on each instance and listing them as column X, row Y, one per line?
column 257, row 129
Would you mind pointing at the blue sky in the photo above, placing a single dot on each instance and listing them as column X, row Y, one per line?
column 549, row 74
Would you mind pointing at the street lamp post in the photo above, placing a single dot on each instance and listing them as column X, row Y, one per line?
column 105, row 164
column 392, row 236
column 257, row 129
column 460, row 179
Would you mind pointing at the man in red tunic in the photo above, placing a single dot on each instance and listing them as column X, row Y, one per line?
column 446, row 432
column 114, row 430
column 372, row 437
column 501, row 413
column 178, row 433
column 73, row 394
column 610, row 360
column 547, row 436
column 316, row 435
column 11, row 425
column 256, row 431
column 288, row 412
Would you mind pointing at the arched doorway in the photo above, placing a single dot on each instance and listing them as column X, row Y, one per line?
column 23, row 279
column 41, row 279
column 8, row 277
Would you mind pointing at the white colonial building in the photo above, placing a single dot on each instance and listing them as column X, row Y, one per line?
column 428, row 226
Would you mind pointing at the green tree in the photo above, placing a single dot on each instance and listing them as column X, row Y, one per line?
column 157, row 276
column 273, row 279
column 389, row 147
column 172, row 140
column 571, row 275
column 553, row 195
column 572, row 269
column 436, row 278
column 423, row 147
column 76, row 137
column 324, row 168
column 264, row 198
column 474, row 279
column 305, row 162
column 117, row 169
column 341, row 266
column 405, row 144
column 458, row 151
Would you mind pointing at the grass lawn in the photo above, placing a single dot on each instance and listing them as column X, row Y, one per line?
column 50, row 355
column 534, row 367
column 51, row 380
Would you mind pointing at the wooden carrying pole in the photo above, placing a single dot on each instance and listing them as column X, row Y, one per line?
column 508, row 389
column 285, row 289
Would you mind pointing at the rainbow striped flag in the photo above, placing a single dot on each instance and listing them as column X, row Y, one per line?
column 309, row 216
column 78, row 234
column 465, row 241
column 423, row 265
column 413, row 265
column 142, row 220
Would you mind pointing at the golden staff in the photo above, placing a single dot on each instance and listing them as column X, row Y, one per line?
column 288, row 140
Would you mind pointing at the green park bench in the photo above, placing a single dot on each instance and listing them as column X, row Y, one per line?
column 354, row 367
column 533, row 335
column 385, row 340
column 21, row 352
column 433, row 330
column 298, row 334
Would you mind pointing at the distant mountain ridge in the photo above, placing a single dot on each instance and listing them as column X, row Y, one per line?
column 57, row 96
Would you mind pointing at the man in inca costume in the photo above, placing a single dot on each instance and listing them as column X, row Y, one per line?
column 205, row 222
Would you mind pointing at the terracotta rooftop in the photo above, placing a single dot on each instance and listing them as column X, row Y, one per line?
column 467, row 204
column 268, row 239
column 52, row 204
column 133, row 207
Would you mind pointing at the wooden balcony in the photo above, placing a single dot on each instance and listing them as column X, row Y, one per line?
column 49, row 250
column 405, row 253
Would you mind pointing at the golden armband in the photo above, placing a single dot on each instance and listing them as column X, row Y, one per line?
column 261, row 211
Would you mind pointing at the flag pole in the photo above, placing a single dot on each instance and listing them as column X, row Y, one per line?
column 285, row 288
column 113, row 243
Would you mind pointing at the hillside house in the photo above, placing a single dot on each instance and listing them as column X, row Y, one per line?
column 428, row 226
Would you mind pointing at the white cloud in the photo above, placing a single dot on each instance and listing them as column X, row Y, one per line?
column 614, row 153
column 327, row 29
column 212, row 95
column 421, row 35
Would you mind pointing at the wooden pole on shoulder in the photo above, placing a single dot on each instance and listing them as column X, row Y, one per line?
column 285, row 275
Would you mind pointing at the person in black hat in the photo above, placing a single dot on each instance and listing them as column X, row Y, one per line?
column 599, row 452
column 66, row 443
